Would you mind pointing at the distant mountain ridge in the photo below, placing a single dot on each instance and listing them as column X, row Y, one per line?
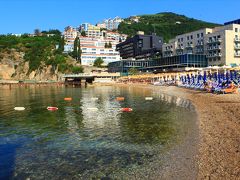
column 166, row 24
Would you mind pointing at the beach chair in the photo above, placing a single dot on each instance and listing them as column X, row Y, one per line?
column 231, row 89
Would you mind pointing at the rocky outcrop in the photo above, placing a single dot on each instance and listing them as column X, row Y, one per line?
column 14, row 67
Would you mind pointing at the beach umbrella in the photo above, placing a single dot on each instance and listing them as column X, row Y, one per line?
column 227, row 77
column 231, row 75
column 223, row 77
column 204, row 77
column 210, row 76
column 198, row 78
column 193, row 79
column 188, row 78
column 219, row 78
column 235, row 75
column 215, row 76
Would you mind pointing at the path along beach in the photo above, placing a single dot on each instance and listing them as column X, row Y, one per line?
column 218, row 154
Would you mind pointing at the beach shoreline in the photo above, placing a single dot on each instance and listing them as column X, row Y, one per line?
column 218, row 155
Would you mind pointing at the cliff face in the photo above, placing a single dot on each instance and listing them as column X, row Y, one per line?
column 14, row 67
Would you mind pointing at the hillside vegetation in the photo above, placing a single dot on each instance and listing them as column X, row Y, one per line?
column 38, row 52
column 167, row 25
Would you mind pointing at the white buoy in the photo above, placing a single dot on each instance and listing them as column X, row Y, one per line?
column 92, row 109
column 19, row 108
column 94, row 99
column 148, row 98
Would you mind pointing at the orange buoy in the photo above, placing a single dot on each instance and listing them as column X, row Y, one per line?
column 120, row 98
column 67, row 99
column 52, row 108
column 126, row 109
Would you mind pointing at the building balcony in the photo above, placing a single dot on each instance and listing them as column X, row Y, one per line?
column 168, row 55
column 237, row 39
column 200, row 44
column 180, row 48
column 236, row 47
column 179, row 53
column 199, row 50
column 168, row 51
column 214, row 48
column 237, row 54
column 214, row 41
column 214, row 55
column 189, row 46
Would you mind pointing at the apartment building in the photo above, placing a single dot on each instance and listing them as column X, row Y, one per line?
column 110, row 24
column 93, row 48
column 221, row 45
column 93, row 31
column 70, row 34
column 189, row 43
column 114, row 35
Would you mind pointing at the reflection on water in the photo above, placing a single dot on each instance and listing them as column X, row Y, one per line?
column 86, row 138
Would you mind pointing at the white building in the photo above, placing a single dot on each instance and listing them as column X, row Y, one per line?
column 70, row 35
column 221, row 45
column 110, row 24
column 93, row 48
column 114, row 36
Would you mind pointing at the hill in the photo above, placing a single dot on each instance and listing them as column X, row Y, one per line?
column 168, row 25
column 37, row 57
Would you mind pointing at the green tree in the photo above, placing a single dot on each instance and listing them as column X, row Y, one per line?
column 61, row 45
column 37, row 32
column 106, row 45
column 132, row 71
column 77, row 69
column 76, row 49
column 83, row 33
column 79, row 52
column 98, row 62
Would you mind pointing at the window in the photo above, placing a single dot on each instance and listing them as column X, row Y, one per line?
column 201, row 34
column 187, row 37
column 236, row 29
column 198, row 36
column 191, row 36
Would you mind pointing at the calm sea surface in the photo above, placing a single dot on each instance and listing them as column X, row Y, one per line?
column 80, row 142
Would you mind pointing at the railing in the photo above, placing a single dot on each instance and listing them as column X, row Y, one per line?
column 214, row 41
column 189, row 46
column 214, row 55
column 237, row 39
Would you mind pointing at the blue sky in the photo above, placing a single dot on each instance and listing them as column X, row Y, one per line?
column 20, row 16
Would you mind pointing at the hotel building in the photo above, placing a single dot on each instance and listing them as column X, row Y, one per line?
column 110, row 24
column 221, row 45
column 93, row 48
column 140, row 47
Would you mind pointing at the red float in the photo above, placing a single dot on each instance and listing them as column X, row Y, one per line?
column 52, row 108
column 126, row 109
